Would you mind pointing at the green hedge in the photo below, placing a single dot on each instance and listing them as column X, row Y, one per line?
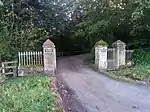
column 141, row 57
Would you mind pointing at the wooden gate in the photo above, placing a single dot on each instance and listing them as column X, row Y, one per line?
column 9, row 68
column 111, row 61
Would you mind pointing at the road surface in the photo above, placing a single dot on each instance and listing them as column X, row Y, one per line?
column 98, row 93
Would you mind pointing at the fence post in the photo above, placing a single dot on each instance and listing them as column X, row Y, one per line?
column 3, row 68
column 19, row 63
column 120, row 53
column 49, row 53
column 15, row 70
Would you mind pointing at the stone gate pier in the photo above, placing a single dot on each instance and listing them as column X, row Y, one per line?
column 49, row 55
column 118, row 56
column 120, row 53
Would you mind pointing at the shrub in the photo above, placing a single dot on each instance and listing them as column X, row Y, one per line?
column 27, row 94
column 141, row 57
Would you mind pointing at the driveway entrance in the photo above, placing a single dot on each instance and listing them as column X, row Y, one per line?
column 99, row 93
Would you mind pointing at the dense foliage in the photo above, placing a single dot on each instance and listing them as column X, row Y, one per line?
column 72, row 25
column 26, row 24
column 27, row 94
column 141, row 57
column 127, row 20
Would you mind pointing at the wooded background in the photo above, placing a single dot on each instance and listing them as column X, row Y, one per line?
column 73, row 25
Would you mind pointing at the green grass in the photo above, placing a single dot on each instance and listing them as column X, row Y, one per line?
column 139, row 71
column 27, row 94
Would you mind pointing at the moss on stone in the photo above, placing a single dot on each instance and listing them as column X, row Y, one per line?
column 101, row 43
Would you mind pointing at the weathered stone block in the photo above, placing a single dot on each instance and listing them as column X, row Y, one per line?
column 24, row 71
column 49, row 53
column 101, row 57
column 120, row 53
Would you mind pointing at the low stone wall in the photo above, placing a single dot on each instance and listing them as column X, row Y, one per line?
column 24, row 71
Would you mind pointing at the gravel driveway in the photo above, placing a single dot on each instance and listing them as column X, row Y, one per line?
column 98, row 93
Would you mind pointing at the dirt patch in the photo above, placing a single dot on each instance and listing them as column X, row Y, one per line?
column 54, row 88
column 70, row 102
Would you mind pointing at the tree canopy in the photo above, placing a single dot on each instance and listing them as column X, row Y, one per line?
column 114, row 19
column 72, row 25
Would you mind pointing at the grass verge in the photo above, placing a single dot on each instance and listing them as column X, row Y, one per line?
column 27, row 94
column 121, row 78
column 137, row 72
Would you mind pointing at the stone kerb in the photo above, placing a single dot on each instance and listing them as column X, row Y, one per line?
column 49, row 53
column 101, row 57
column 120, row 53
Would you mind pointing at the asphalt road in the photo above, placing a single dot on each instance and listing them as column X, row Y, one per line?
column 98, row 93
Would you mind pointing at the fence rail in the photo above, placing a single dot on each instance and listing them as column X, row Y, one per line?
column 36, row 58
column 9, row 68
column 30, row 58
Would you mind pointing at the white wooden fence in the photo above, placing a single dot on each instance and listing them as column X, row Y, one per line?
column 30, row 58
